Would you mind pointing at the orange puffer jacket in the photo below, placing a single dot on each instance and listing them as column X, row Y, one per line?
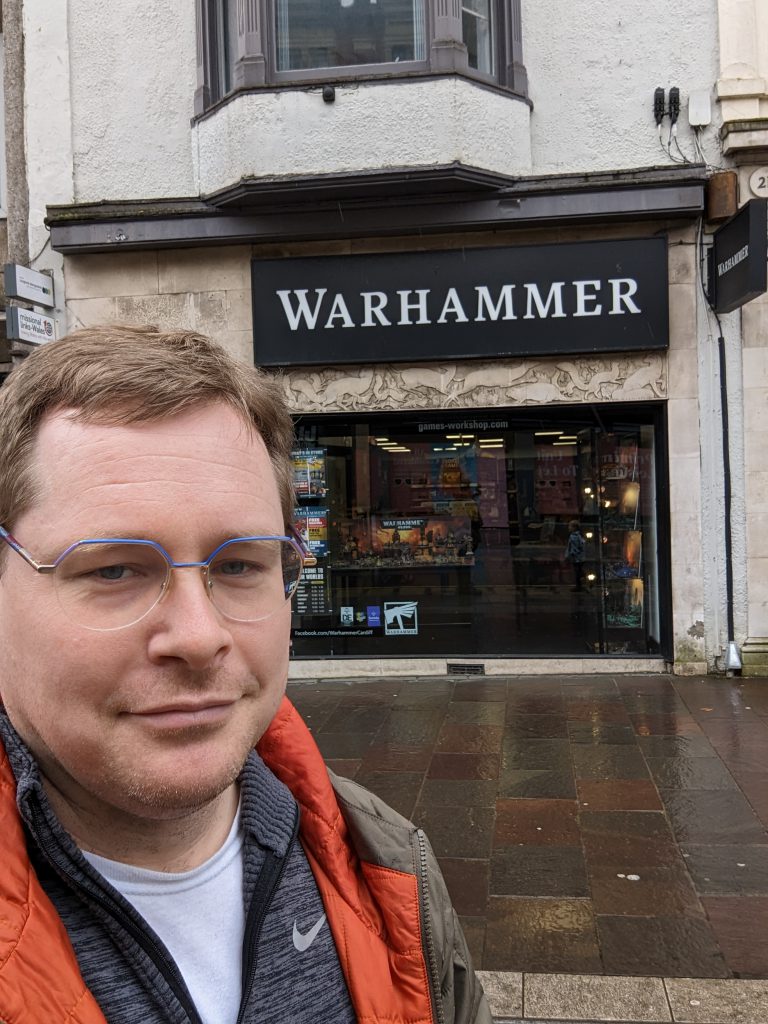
column 400, row 946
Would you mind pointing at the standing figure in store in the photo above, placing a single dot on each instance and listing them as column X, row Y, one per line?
column 172, row 847
column 575, row 553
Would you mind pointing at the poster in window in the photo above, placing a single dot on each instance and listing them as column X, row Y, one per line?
column 309, row 474
column 388, row 541
column 312, row 526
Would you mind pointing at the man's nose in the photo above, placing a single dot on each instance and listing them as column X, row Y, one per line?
column 186, row 625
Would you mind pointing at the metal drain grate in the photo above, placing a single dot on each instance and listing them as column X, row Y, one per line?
column 465, row 669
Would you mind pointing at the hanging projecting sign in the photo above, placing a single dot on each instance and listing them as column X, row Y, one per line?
column 738, row 262
column 30, row 285
column 468, row 303
column 26, row 325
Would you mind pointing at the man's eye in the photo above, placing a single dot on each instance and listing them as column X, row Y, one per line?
column 113, row 572
column 236, row 567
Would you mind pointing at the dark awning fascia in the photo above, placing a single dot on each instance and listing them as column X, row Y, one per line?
column 657, row 194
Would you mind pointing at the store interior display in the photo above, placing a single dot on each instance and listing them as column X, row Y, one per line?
column 435, row 539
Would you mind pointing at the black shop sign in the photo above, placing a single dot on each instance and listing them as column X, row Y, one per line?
column 466, row 303
column 738, row 259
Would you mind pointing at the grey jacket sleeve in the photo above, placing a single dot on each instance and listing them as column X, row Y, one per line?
column 461, row 993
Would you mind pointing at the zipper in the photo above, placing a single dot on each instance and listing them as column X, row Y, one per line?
column 429, row 943
column 268, row 881
column 153, row 950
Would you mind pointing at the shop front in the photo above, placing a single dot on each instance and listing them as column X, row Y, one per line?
column 494, row 532
column 526, row 515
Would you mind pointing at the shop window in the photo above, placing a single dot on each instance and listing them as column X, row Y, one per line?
column 491, row 535
column 254, row 43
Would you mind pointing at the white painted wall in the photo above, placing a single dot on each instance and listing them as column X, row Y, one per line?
column 416, row 123
column 593, row 66
column 47, row 126
column 133, row 84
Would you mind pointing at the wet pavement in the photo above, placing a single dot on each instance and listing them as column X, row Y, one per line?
column 586, row 825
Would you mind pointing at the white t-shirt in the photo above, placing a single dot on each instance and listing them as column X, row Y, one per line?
column 200, row 917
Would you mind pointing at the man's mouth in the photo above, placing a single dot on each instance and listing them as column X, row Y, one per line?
column 186, row 714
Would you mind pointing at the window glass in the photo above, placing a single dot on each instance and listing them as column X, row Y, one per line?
column 343, row 33
column 478, row 31
column 491, row 533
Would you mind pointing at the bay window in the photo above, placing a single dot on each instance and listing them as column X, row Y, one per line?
column 246, row 44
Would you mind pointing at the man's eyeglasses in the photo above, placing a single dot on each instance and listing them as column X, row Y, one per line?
column 110, row 583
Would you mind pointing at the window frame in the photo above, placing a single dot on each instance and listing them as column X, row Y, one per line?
column 254, row 52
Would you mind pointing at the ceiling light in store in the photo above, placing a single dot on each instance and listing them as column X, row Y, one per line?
column 484, row 446
column 589, row 535
column 491, row 440
column 437, row 449
column 453, row 437
column 555, row 444
column 591, row 577
column 450, row 449
column 587, row 490
column 380, row 439
column 547, row 433
column 568, row 437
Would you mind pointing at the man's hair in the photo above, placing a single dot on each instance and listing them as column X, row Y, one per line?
column 120, row 374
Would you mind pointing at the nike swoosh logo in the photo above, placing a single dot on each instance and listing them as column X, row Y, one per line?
column 303, row 942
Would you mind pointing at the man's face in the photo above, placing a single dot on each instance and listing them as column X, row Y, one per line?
column 100, row 709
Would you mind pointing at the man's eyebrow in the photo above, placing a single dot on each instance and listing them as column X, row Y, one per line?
column 218, row 538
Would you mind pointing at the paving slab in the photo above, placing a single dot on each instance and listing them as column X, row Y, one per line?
column 567, row 997
column 504, row 991
column 707, row 1001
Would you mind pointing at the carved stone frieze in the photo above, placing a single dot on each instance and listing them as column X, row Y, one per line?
column 393, row 387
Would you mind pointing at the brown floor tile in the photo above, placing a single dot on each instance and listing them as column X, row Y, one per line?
column 639, row 890
column 480, row 689
column 536, row 823
column 367, row 718
column 541, row 936
column 384, row 758
column 474, row 933
column 754, row 785
column 475, row 712
column 469, row 739
column 609, row 762
column 740, row 925
column 535, row 704
column 464, row 766
column 728, row 870
column 316, row 716
column 618, row 795
column 690, row 773
column 537, row 727
column 464, row 832
column 347, row 767
column 591, row 689
column 537, row 755
column 538, row 871
column 599, row 733
column 676, row 746
column 399, row 789
column 523, row 782
column 344, row 745
column 720, row 817
column 406, row 728
column 609, row 712
column 459, row 792
column 673, row 947
column 655, row 704
column 623, row 840
column 660, row 724
column 467, row 882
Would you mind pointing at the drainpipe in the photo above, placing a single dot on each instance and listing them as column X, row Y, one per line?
column 732, row 662
column 17, row 191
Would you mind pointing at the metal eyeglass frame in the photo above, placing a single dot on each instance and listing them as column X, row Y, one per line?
column 308, row 560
